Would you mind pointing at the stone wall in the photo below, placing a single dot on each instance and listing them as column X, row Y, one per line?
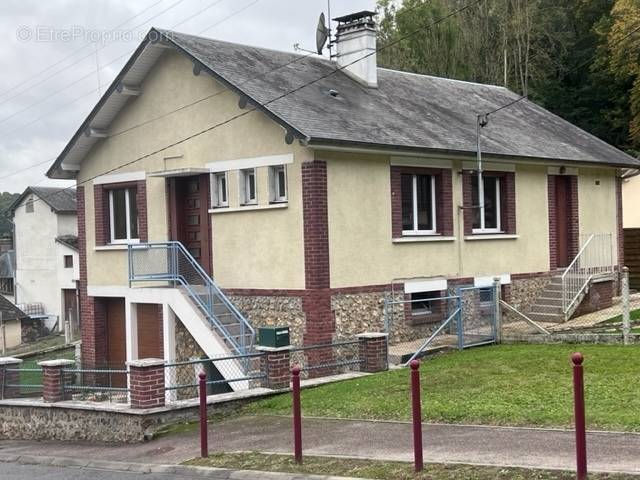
column 272, row 311
column 523, row 292
column 186, row 346
column 599, row 296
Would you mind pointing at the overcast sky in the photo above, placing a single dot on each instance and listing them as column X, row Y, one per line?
column 51, row 50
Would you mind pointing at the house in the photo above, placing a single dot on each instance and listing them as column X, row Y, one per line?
column 222, row 187
column 13, row 322
column 46, row 254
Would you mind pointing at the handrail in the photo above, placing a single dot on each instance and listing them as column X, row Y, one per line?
column 577, row 257
column 172, row 273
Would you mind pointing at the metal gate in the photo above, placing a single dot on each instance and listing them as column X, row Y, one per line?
column 434, row 322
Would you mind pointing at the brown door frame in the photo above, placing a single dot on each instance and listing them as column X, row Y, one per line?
column 563, row 219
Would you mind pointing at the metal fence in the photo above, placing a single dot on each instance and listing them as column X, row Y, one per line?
column 224, row 374
column 429, row 322
column 326, row 359
column 96, row 385
column 21, row 382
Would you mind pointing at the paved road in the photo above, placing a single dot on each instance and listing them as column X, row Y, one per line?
column 14, row 471
column 522, row 447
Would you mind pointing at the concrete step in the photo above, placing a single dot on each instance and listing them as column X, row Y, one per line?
column 546, row 317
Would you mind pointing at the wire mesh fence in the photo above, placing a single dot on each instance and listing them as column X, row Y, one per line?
column 21, row 382
column 326, row 359
column 96, row 385
column 224, row 374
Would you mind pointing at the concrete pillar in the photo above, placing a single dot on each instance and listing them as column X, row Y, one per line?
column 276, row 365
column 53, row 379
column 9, row 375
column 146, row 383
column 374, row 356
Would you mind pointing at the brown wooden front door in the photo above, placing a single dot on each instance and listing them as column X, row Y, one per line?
column 70, row 306
column 563, row 219
column 150, row 331
column 190, row 222
column 116, row 340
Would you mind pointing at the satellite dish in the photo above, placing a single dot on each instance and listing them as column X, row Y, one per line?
column 322, row 33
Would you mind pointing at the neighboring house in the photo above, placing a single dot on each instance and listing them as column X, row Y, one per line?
column 631, row 199
column 12, row 321
column 7, row 274
column 47, row 262
column 309, row 210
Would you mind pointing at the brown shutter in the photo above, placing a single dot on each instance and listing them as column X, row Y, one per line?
column 508, row 203
column 467, row 195
column 396, row 202
column 444, row 197
column 141, row 204
column 101, row 209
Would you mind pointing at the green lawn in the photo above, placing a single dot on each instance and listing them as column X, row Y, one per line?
column 499, row 385
column 382, row 470
column 35, row 378
column 634, row 317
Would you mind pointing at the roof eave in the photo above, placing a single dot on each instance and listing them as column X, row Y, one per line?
column 317, row 142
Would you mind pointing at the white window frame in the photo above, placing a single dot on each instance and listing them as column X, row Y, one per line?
column 482, row 228
column 216, row 200
column 127, row 202
column 245, row 175
column 274, row 185
column 414, row 186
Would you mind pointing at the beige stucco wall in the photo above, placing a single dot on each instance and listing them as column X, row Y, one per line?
column 251, row 248
column 631, row 202
column 597, row 202
column 361, row 247
column 13, row 331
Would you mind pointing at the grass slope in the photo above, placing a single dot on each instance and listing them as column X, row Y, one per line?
column 501, row 385
column 382, row 470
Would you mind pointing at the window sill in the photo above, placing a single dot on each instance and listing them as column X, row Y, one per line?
column 491, row 236
column 249, row 208
column 423, row 238
column 117, row 246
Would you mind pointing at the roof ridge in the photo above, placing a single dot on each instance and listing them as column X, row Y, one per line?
column 468, row 82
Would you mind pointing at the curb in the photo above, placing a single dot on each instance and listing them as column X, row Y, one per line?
column 182, row 470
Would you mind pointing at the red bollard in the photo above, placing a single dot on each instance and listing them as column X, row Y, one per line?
column 297, row 415
column 416, row 406
column 204, row 438
column 578, row 397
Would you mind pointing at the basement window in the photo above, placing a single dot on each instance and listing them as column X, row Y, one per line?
column 422, row 302
column 219, row 190
column 248, row 194
column 123, row 215
column 278, row 183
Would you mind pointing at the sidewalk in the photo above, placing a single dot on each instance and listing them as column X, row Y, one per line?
column 497, row 446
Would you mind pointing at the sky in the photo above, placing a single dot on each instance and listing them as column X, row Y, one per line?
column 58, row 56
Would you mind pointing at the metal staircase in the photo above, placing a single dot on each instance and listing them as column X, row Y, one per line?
column 564, row 293
column 171, row 262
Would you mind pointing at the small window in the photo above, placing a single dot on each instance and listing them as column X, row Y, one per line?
column 68, row 261
column 422, row 303
column 487, row 219
column 123, row 215
column 248, row 194
column 418, row 204
column 219, row 192
column 278, row 183
column 29, row 205
column 486, row 295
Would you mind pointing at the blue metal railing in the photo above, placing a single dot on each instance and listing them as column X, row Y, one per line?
column 171, row 262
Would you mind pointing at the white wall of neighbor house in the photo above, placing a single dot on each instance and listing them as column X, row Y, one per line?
column 631, row 202
column 597, row 203
column 66, row 276
column 251, row 248
column 36, row 256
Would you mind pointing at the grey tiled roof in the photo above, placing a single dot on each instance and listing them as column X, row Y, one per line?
column 70, row 241
column 61, row 200
column 9, row 310
column 406, row 111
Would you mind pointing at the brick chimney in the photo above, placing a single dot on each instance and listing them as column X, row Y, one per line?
column 356, row 40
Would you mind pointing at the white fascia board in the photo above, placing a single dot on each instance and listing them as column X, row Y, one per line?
column 119, row 178
column 426, row 285
column 490, row 166
column 253, row 162
column 505, row 279
column 420, row 162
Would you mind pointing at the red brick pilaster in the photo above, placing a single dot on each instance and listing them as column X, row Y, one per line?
column 508, row 202
column 9, row 375
column 467, row 201
column 53, row 379
column 574, row 220
column 275, row 364
column 553, row 228
column 101, row 214
column 141, row 204
column 373, row 352
column 146, row 383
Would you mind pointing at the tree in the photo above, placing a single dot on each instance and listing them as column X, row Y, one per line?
column 6, row 199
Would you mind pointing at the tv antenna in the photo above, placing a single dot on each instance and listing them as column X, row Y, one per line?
column 323, row 32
